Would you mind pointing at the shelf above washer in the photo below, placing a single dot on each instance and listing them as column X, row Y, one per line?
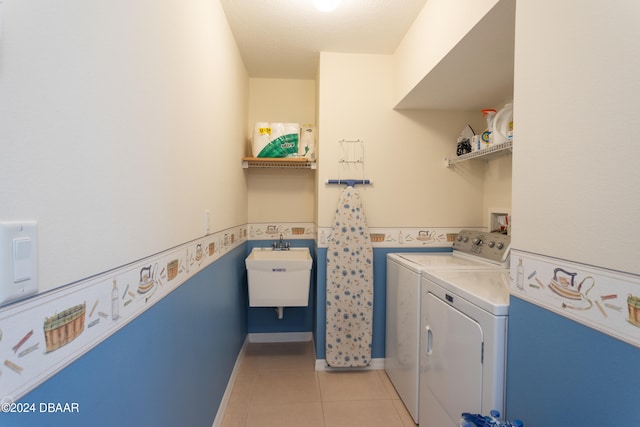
column 282, row 163
column 487, row 153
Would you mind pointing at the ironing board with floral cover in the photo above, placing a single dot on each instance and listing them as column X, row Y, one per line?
column 349, row 306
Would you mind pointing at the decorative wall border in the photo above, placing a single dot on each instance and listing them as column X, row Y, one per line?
column 382, row 237
column 289, row 231
column 605, row 300
column 42, row 335
column 402, row 237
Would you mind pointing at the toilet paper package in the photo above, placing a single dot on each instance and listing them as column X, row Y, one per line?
column 276, row 140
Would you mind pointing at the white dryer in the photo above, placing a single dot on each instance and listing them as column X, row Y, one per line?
column 464, row 334
column 472, row 250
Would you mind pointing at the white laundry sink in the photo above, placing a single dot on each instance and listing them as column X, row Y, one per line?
column 279, row 278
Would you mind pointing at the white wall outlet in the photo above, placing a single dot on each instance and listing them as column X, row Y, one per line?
column 18, row 260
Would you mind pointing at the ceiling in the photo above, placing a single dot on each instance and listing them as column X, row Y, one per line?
column 283, row 38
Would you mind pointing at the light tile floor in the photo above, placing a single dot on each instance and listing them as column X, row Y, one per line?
column 277, row 385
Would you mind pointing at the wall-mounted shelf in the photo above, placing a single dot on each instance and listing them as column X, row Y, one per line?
column 486, row 153
column 282, row 163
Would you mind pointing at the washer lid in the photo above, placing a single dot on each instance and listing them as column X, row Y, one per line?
column 487, row 289
column 447, row 260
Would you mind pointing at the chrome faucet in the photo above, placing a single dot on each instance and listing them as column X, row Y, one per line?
column 282, row 245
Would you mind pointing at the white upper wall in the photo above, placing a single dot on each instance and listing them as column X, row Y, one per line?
column 281, row 195
column 575, row 160
column 497, row 187
column 120, row 123
column 404, row 150
column 281, row 100
column 437, row 29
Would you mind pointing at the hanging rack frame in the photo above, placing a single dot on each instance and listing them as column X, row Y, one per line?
column 351, row 154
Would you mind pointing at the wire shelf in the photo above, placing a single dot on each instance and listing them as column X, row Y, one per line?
column 281, row 163
column 488, row 152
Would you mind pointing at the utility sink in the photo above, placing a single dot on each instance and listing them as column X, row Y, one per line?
column 279, row 278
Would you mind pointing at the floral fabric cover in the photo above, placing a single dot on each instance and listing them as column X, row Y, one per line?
column 349, row 307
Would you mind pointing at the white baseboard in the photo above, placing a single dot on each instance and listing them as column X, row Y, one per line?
column 281, row 337
column 217, row 422
column 376, row 364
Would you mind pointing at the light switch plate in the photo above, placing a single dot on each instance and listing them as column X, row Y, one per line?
column 18, row 260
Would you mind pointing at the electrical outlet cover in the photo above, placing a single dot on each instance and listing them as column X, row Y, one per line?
column 18, row 260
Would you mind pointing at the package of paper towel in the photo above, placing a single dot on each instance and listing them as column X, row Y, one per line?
column 278, row 140
column 275, row 139
column 307, row 145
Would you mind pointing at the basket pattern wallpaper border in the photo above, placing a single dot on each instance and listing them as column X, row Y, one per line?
column 402, row 237
column 43, row 334
column 381, row 237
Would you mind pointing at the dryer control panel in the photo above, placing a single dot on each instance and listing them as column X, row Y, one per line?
column 490, row 246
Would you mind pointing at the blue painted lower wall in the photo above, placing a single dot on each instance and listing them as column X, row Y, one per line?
column 379, row 297
column 562, row 373
column 295, row 319
column 168, row 367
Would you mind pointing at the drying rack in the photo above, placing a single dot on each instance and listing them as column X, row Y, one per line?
column 350, row 160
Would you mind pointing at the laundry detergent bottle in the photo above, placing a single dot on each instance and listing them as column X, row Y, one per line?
column 503, row 125
column 487, row 135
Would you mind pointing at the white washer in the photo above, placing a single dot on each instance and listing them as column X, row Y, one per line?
column 471, row 250
column 464, row 335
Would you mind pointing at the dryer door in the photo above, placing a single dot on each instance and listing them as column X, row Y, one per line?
column 453, row 361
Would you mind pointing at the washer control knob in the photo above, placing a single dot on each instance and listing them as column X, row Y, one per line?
column 466, row 239
column 459, row 238
column 491, row 244
column 500, row 245
column 477, row 241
